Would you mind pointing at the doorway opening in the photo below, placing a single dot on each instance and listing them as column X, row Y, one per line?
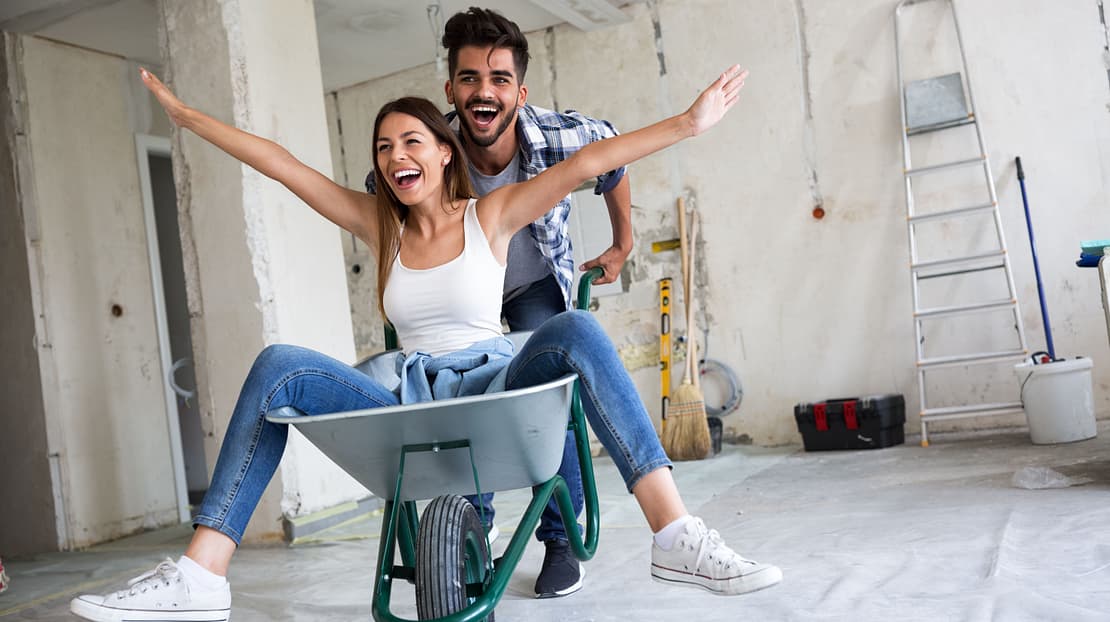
column 172, row 309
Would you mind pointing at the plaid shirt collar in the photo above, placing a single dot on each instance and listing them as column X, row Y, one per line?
column 550, row 230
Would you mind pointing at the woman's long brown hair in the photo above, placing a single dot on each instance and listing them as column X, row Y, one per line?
column 391, row 212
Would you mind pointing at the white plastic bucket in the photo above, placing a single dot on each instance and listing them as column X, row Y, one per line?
column 1059, row 400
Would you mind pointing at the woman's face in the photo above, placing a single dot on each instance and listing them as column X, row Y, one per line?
column 411, row 158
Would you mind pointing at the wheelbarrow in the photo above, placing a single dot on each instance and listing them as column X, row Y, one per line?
column 444, row 449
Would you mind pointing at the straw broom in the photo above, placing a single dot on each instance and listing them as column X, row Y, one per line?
column 686, row 435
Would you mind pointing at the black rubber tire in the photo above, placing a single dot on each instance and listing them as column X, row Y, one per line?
column 451, row 551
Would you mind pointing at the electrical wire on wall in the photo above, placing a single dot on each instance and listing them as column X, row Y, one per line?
column 725, row 375
column 435, row 22
column 719, row 374
column 713, row 368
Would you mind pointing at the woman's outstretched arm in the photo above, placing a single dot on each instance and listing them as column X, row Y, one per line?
column 517, row 205
column 350, row 209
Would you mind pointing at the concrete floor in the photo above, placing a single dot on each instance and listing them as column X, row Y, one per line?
column 902, row 533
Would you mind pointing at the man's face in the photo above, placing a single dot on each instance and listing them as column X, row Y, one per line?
column 485, row 91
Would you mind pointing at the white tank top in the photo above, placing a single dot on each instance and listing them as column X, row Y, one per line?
column 452, row 306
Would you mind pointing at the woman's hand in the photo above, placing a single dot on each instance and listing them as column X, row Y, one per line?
column 173, row 106
column 716, row 100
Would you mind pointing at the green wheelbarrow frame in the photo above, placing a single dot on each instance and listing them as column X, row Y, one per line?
column 486, row 579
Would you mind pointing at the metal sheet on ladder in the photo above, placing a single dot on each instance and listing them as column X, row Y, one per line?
column 935, row 103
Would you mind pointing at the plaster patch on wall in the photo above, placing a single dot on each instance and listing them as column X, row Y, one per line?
column 645, row 354
column 639, row 355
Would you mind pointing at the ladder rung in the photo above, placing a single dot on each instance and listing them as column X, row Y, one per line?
column 925, row 129
column 952, row 213
column 977, row 410
column 924, row 277
column 936, row 168
column 955, row 261
column 958, row 309
column 972, row 359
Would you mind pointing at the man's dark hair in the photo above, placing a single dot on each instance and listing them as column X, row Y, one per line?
column 485, row 28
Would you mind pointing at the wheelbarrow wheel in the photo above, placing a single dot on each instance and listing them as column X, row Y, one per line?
column 451, row 551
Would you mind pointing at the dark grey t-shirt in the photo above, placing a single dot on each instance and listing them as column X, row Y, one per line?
column 526, row 264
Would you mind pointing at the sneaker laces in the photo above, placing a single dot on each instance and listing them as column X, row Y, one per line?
column 713, row 547
column 162, row 575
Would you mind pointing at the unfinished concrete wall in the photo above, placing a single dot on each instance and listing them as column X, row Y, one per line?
column 97, row 340
column 30, row 526
column 806, row 309
column 261, row 267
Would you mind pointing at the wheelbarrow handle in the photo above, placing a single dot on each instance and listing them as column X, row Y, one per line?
column 584, row 287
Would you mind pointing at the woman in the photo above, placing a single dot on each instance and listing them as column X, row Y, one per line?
column 441, row 257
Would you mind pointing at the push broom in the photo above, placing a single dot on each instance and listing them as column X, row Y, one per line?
column 686, row 435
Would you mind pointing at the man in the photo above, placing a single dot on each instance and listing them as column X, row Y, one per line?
column 506, row 141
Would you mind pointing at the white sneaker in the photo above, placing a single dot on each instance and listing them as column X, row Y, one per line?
column 161, row 594
column 492, row 533
column 699, row 557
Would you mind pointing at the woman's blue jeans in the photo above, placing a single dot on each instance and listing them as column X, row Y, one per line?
column 314, row 384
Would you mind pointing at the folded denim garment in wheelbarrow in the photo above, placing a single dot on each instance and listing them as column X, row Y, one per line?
column 419, row 377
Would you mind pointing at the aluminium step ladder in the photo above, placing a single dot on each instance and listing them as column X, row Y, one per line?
column 933, row 105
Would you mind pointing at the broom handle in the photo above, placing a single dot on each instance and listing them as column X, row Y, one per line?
column 692, row 348
column 682, row 249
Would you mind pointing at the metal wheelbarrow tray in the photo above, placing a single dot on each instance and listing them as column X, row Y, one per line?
column 516, row 438
column 446, row 448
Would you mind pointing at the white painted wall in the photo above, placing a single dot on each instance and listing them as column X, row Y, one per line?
column 102, row 376
column 805, row 309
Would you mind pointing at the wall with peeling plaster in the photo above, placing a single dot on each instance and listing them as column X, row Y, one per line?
column 806, row 309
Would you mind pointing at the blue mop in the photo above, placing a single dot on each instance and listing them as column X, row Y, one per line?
column 1036, row 266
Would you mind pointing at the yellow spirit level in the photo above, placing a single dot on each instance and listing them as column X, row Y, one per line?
column 665, row 346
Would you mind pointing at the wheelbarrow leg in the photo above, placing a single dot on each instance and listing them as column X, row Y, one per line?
column 409, row 527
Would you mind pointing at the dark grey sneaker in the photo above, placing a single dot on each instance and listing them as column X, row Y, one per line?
column 561, row 573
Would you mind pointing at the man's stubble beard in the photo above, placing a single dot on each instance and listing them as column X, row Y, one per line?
column 464, row 122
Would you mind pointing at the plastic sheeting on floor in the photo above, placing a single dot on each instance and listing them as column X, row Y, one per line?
column 906, row 533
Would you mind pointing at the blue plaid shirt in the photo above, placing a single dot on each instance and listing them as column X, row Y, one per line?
column 546, row 138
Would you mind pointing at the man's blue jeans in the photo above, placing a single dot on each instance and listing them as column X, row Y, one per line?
column 316, row 384
column 527, row 311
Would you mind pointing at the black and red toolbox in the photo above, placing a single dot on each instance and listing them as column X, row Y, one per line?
column 867, row 422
